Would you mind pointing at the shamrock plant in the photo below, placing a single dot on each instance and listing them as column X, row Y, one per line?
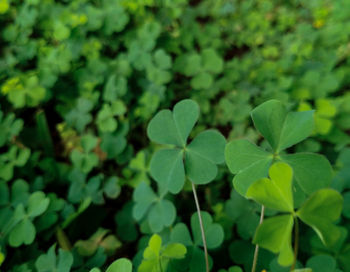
column 156, row 257
column 319, row 211
column 281, row 129
column 293, row 178
column 159, row 212
column 197, row 160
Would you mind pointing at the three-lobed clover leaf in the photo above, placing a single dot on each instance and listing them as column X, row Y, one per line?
column 79, row 117
column 196, row 160
column 51, row 262
column 9, row 160
column 214, row 234
column 94, row 188
column 156, row 257
column 282, row 130
column 158, row 211
column 23, row 231
column 319, row 211
column 85, row 159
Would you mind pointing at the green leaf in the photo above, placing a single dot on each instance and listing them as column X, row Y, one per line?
column 181, row 234
column 319, row 211
column 214, row 232
column 167, row 168
column 245, row 178
column 297, row 126
column 280, row 129
column 322, row 263
column 311, row 171
column 275, row 192
column 162, row 59
column 212, row 62
column 162, row 129
column 202, row 155
column 268, row 118
column 240, row 154
column 173, row 128
column 162, row 215
column 49, row 262
column 37, row 204
column 202, row 81
column 143, row 196
column 23, row 233
column 175, row 251
column 186, row 114
column 274, row 234
column 120, row 265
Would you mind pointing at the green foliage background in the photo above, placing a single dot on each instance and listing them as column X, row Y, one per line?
column 80, row 81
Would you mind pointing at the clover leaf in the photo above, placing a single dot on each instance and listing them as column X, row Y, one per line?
column 79, row 117
column 100, row 238
column 120, row 265
column 181, row 234
column 24, row 92
column 319, row 211
column 159, row 212
column 156, row 257
column 281, row 129
column 24, row 231
column 85, row 159
column 275, row 234
column 51, row 262
column 274, row 192
column 244, row 213
column 9, row 160
column 196, row 160
column 93, row 188
column 9, row 127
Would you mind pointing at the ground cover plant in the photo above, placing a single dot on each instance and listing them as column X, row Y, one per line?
column 183, row 135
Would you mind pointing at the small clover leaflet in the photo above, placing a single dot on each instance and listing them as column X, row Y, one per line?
column 281, row 130
column 196, row 160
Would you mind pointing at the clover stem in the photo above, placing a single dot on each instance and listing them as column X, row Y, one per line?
column 296, row 243
column 202, row 227
column 160, row 265
column 256, row 252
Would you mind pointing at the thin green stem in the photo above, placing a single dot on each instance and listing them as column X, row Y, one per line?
column 256, row 252
column 160, row 265
column 202, row 227
column 296, row 243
